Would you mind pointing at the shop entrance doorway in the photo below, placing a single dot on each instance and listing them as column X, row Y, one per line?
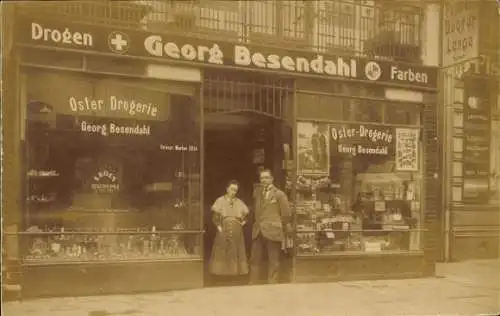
column 246, row 127
column 236, row 145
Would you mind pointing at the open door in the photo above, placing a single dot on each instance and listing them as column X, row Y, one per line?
column 236, row 152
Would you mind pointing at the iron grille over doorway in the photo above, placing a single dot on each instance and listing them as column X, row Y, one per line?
column 233, row 93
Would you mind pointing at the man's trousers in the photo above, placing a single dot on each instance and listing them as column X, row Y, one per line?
column 262, row 246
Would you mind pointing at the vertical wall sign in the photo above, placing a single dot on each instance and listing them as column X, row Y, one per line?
column 461, row 30
column 476, row 141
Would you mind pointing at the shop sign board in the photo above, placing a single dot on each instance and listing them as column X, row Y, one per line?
column 460, row 33
column 362, row 139
column 483, row 66
column 175, row 48
column 112, row 106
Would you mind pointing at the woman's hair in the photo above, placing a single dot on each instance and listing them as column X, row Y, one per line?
column 236, row 183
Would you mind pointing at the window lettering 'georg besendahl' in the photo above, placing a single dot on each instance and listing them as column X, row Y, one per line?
column 157, row 47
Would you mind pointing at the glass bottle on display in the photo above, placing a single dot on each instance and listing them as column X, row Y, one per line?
column 154, row 240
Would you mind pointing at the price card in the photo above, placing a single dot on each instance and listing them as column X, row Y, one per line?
column 330, row 235
column 345, row 226
column 380, row 206
column 373, row 247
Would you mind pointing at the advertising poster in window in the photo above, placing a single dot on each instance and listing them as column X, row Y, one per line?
column 361, row 140
column 407, row 140
column 313, row 148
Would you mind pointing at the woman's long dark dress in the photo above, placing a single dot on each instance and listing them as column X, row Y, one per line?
column 228, row 253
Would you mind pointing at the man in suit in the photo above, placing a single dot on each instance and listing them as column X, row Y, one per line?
column 272, row 222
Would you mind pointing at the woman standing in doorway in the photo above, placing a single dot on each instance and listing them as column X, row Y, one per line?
column 228, row 253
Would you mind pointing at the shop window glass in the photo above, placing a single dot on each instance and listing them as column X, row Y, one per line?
column 403, row 114
column 113, row 171
column 359, row 188
column 368, row 111
column 322, row 107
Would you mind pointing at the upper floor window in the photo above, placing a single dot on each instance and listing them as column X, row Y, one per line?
column 338, row 26
column 285, row 18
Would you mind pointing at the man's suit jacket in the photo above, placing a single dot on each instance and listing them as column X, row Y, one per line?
column 272, row 213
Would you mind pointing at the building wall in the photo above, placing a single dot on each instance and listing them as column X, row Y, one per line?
column 471, row 227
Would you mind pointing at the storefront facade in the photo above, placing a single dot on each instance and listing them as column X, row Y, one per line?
column 471, row 225
column 116, row 142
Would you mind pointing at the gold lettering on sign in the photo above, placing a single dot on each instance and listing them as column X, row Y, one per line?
column 113, row 106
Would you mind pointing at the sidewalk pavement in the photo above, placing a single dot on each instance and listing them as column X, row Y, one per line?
column 465, row 288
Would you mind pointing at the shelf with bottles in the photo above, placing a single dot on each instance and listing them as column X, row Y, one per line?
column 383, row 216
column 39, row 190
column 42, row 174
column 312, row 183
column 323, row 219
column 387, row 186
column 181, row 180
column 339, row 233
column 387, row 201
column 52, row 245
column 333, row 241
column 43, row 198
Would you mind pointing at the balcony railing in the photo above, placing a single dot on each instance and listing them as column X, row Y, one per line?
column 327, row 26
column 111, row 13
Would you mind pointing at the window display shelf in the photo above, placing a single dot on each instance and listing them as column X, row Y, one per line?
column 334, row 241
column 377, row 217
column 41, row 174
column 125, row 245
column 40, row 199
column 33, row 260
column 358, row 253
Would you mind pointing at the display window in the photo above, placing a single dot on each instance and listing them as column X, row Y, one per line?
column 359, row 184
column 112, row 170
